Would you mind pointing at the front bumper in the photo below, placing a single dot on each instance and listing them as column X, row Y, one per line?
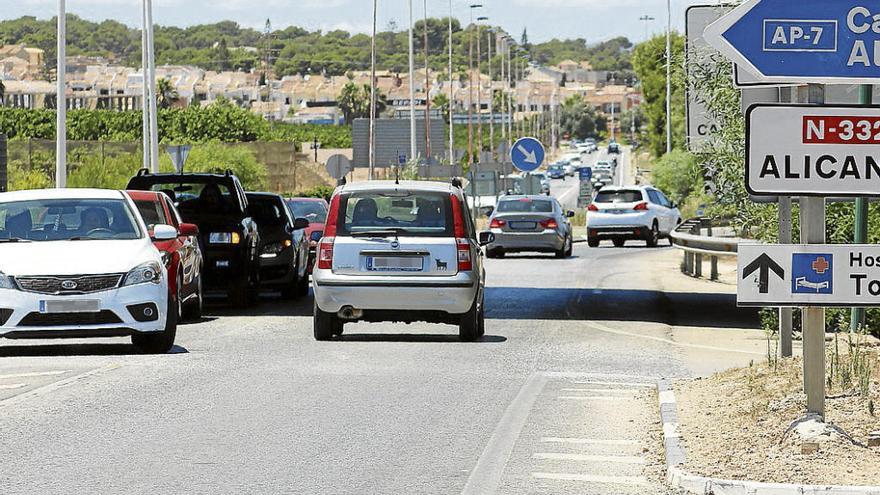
column 452, row 295
column 548, row 240
column 277, row 270
column 115, row 317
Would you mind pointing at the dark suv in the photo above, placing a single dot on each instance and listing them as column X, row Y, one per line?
column 217, row 204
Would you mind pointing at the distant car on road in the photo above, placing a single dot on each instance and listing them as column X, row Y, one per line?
column 630, row 213
column 403, row 252
column 613, row 148
column 315, row 211
column 530, row 223
column 556, row 171
column 284, row 247
column 228, row 236
column 182, row 255
column 80, row 263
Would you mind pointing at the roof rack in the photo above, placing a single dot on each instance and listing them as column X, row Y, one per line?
column 142, row 172
column 456, row 182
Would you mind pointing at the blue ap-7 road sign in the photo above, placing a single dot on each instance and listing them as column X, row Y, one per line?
column 527, row 154
column 808, row 41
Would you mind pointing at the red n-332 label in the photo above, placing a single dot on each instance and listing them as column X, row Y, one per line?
column 825, row 129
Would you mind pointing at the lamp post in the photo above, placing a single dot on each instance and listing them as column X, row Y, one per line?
column 480, row 88
column 451, row 93
column 61, row 101
column 372, row 153
column 412, row 93
column 668, row 75
column 489, row 38
column 471, row 85
column 427, row 89
column 646, row 19
column 151, row 65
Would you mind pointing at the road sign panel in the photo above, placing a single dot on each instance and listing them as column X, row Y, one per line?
column 803, row 150
column 338, row 166
column 527, row 154
column 823, row 275
column 585, row 173
column 810, row 41
column 179, row 154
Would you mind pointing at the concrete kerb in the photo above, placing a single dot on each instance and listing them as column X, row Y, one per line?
column 689, row 483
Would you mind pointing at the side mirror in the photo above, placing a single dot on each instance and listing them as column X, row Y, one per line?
column 569, row 214
column 164, row 233
column 486, row 238
column 188, row 229
column 300, row 223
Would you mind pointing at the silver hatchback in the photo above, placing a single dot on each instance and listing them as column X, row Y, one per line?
column 530, row 223
column 403, row 252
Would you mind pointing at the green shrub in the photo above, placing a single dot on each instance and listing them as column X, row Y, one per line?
column 21, row 178
column 213, row 157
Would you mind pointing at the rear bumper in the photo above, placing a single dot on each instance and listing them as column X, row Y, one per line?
column 620, row 232
column 527, row 241
column 451, row 295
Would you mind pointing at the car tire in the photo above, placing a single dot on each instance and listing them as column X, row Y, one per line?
column 570, row 247
column 159, row 342
column 301, row 289
column 566, row 248
column 654, row 236
column 469, row 324
column 593, row 242
column 194, row 310
column 326, row 324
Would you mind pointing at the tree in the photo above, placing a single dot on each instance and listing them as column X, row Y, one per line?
column 222, row 58
column 441, row 101
column 649, row 62
column 2, row 93
column 524, row 40
column 166, row 93
column 354, row 101
column 577, row 118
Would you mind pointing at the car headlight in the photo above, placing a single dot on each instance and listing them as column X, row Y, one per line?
column 224, row 238
column 6, row 281
column 149, row 272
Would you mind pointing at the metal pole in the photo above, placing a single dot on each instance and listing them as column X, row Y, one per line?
column 491, row 95
column 503, row 96
column 451, row 94
column 412, row 93
column 471, row 89
column 479, row 95
column 154, row 116
column 668, row 75
column 813, row 232
column 427, row 90
column 857, row 317
column 372, row 162
column 145, row 97
column 61, row 101
column 785, row 314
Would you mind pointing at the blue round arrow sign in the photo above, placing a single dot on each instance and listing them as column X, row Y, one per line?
column 527, row 154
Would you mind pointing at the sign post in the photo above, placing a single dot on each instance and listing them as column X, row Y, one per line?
column 857, row 318
column 585, row 191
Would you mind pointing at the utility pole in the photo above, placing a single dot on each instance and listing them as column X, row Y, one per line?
column 151, row 64
column 668, row 75
column 145, row 96
column 489, row 40
column 372, row 161
column 503, row 96
column 427, row 90
column 554, row 138
column 480, row 88
column 61, row 100
column 451, row 94
column 471, row 85
column 857, row 317
column 646, row 19
column 612, row 121
column 412, row 91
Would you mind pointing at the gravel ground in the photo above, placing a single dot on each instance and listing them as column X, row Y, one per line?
column 733, row 425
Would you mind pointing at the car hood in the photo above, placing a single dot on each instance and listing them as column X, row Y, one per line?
column 75, row 257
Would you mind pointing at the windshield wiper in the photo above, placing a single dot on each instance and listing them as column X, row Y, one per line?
column 82, row 238
column 378, row 233
column 14, row 239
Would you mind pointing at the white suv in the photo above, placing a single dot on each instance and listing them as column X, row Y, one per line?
column 79, row 263
column 630, row 213
column 402, row 252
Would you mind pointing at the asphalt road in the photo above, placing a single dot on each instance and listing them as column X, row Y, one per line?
column 555, row 399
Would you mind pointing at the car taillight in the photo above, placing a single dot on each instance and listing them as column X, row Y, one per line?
column 592, row 207
column 549, row 224
column 332, row 217
column 496, row 223
column 465, row 264
column 325, row 253
column 643, row 206
column 458, row 216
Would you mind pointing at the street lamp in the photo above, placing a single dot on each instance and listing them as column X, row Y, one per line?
column 412, row 93
column 471, row 85
column 668, row 75
column 61, row 101
column 480, row 86
column 372, row 153
column 451, row 93
column 646, row 19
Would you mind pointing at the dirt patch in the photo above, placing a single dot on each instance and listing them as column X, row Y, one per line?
column 733, row 424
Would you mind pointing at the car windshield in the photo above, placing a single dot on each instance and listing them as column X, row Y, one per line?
column 67, row 219
column 525, row 205
column 313, row 211
column 151, row 212
column 267, row 211
column 199, row 197
column 619, row 196
column 419, row 213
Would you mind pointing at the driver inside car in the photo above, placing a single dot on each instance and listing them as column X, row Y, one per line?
column 93, row 219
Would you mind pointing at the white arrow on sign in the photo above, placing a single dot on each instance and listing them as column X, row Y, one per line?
column 530, row 155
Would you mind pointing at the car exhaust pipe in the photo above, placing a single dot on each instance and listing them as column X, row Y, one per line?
column 350, row 313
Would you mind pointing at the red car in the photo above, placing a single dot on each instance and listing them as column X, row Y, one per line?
column 182, row 256
column 315, row 211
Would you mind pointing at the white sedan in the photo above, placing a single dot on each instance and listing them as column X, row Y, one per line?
column 631, row 213
column 80, row 263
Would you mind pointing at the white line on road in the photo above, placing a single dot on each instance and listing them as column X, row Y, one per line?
column 591, row 478
column 603, row 328
column 622, row 384
column 45, row 389
column 587, row 441
column 594, row 397
column 564, row 456
column 35, row 373
column 486, row 475
column 12, row 386
column 602, row 390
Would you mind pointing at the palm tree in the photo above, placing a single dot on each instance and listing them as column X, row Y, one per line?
column 2, row 93
column 166, row 94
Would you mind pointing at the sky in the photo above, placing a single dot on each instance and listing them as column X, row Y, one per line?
column 594, row 20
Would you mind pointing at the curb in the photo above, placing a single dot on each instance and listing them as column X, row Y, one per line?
column 689, row 483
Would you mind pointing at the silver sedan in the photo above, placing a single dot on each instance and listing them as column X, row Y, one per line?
column 530, row 223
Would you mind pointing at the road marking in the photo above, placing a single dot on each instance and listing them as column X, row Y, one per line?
column 603, row 328
column 667, row 397
column 648, row 380
column 591, row 478
column 594, row 397
column 601, row 390
column 587, row 441
column 486, row 475
column 51, row 387
column 624, row 384
column 12, row 386
column 33, row 374
column 560, row 456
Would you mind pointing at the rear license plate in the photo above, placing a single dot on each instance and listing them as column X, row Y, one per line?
column 394, row 263
column 80, row 306
column 523, row 225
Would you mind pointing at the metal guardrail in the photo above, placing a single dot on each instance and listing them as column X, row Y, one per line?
column 690, row 239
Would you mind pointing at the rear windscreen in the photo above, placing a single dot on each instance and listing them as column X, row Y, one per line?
column 412, row 213
column 623, row 196
column 525, row 206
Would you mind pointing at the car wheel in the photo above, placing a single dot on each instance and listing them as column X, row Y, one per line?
column 159, row 342
column 469, row 324
column 654, row 236
column 593, row 242
column 194, row 310
column 481, row 324
column 180, row 309
column 302, row 285
column 562, row 252
column 570, row 248
column 326, row 324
